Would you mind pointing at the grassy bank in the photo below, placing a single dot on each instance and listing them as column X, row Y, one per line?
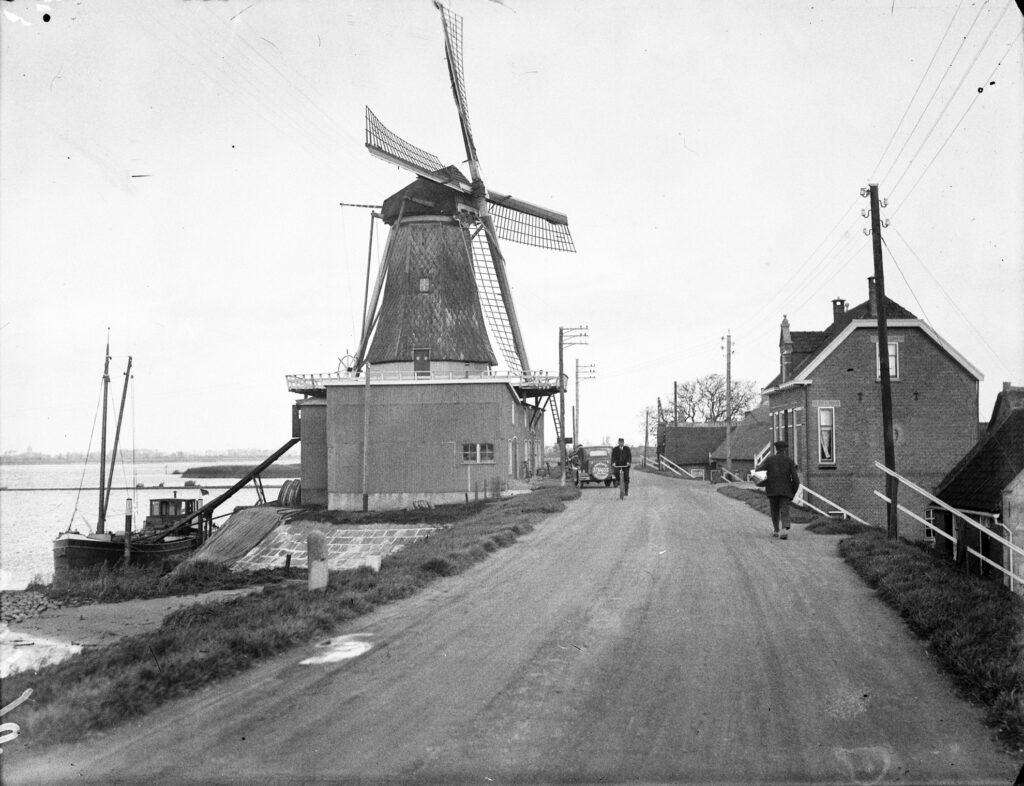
column 203, row 643
column 816, row 523
column 112, row 585
column 973, row 626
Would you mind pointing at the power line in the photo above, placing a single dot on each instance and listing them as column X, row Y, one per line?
column 952, row 302
column 938, row 84
column 917, row 300
column 952, row 95
column 955, row 127
column 920, row 84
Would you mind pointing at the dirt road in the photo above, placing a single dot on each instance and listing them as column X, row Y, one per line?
column 664, row 637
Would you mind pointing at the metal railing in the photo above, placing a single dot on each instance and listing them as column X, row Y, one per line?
column 985, row 531
column 301, row 382
column 729, row 476
column 671, row 466
column 801, row 499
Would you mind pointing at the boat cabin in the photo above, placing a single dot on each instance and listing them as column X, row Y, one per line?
column 167, row 510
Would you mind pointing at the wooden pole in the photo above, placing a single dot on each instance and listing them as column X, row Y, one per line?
column 366, row 436
column 891, row 485
column 561, row 399
column 728, row 401
column 127, row 532
column 576, row 409
column 675, row 403
column 117, row 433
column 102, row 517
column 647, row 433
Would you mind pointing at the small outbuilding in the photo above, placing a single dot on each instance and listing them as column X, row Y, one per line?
column 690, row 444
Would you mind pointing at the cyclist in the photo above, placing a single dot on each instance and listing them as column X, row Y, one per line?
column 622, row 458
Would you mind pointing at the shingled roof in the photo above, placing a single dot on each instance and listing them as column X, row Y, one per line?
column 978, row 479
column 690, row 443
column 807, row 344
column 749, row 436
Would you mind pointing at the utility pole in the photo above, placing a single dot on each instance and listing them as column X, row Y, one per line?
column 728, row 400
column 584, row 371
column 891, row 484
column 647, row 433
column 675, row 403
column 661, row 420
column 567, row 337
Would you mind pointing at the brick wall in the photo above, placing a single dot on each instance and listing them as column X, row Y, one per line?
column 935, row 414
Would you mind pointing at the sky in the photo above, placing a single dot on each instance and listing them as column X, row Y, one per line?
column 173, row 171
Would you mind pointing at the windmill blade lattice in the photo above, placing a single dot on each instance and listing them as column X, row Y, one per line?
column 451, row 22
column 520, row 227
column 379, row 137
column 491, row 302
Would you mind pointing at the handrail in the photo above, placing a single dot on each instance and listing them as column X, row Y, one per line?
column 935, row 500
column 318, row 381
column 726, row 472
column 677, row 469
column 827, row 501
column 197, row 515
column 762, row 455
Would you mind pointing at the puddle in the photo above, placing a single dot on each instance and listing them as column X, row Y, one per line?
column 339, row 649
column 26, row 652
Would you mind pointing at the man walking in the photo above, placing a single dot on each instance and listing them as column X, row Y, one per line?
column 622, row 458
column 780, row 485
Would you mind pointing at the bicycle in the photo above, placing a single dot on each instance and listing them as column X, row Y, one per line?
column 621, row 478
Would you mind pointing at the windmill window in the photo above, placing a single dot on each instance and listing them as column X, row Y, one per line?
column 477, row 452
column 424, row 284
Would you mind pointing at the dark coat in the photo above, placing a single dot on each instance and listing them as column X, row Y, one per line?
column 621, row 456
column 783, row 479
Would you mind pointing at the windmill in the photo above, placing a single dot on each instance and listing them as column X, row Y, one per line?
column 443, row 274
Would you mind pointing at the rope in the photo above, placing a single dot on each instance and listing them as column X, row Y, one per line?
column 85, row 466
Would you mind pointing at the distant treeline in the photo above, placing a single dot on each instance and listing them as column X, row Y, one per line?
column 141, row 454
column 238, row 470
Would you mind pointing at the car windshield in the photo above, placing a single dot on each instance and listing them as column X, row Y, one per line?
column 598, row 452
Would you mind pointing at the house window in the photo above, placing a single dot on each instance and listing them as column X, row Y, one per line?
column 477, row 453
column 826, row 435
column 894, row 361
column 929, row 516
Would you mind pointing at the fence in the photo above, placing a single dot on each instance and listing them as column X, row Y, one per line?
column 1008, row 545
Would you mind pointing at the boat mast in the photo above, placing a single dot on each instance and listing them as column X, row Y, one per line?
column 117, row 435
column 102, row 517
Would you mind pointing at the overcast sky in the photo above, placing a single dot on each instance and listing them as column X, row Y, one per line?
column 172, row 170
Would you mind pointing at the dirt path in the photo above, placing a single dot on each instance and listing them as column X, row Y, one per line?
column 665, row 637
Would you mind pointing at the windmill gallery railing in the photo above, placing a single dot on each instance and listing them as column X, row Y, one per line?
column 1016, row 582
column 298, row 383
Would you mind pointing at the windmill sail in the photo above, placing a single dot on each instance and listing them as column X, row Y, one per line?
column 492, row 303
column 384, row 143
column 529, row 228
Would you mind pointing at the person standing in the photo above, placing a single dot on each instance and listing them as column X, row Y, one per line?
column 622, row 459
column 780, row 485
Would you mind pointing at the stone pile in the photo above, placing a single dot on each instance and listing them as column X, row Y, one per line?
column 20, row 606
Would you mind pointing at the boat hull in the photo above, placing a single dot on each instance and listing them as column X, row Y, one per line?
column 82, row 553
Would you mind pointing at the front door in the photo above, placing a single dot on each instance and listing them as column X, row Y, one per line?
column 421, row 362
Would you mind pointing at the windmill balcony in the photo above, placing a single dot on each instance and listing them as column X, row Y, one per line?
column 536, row 382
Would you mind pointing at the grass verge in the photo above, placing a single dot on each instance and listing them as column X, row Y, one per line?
column 974, row 627
column 200, row 644
column 816, row 523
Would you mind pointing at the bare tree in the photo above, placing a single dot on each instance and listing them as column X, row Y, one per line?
column 703, row 400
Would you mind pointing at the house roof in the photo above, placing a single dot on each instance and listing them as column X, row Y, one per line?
column 749, row 436
column 691, row 443
column 810, row 342
column 1009, row 399
column 978, row 479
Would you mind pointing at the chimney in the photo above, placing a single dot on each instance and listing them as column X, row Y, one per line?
column 785, row 349
column 838, row 309
column 1006, row 387
column 872, row 297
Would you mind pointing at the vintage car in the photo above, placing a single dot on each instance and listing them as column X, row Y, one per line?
column 592, row 465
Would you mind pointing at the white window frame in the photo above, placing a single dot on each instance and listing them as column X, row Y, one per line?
column 929, row 516
column 894, row 360
column 477, row 450
column 821, row 461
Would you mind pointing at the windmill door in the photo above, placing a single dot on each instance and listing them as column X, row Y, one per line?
column 421, row 362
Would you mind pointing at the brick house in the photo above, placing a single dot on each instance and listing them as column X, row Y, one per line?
column 826, row 403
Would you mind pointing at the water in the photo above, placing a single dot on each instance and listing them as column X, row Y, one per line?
column 29, row 520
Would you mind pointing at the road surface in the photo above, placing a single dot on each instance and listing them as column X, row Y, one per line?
column 665, row 637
